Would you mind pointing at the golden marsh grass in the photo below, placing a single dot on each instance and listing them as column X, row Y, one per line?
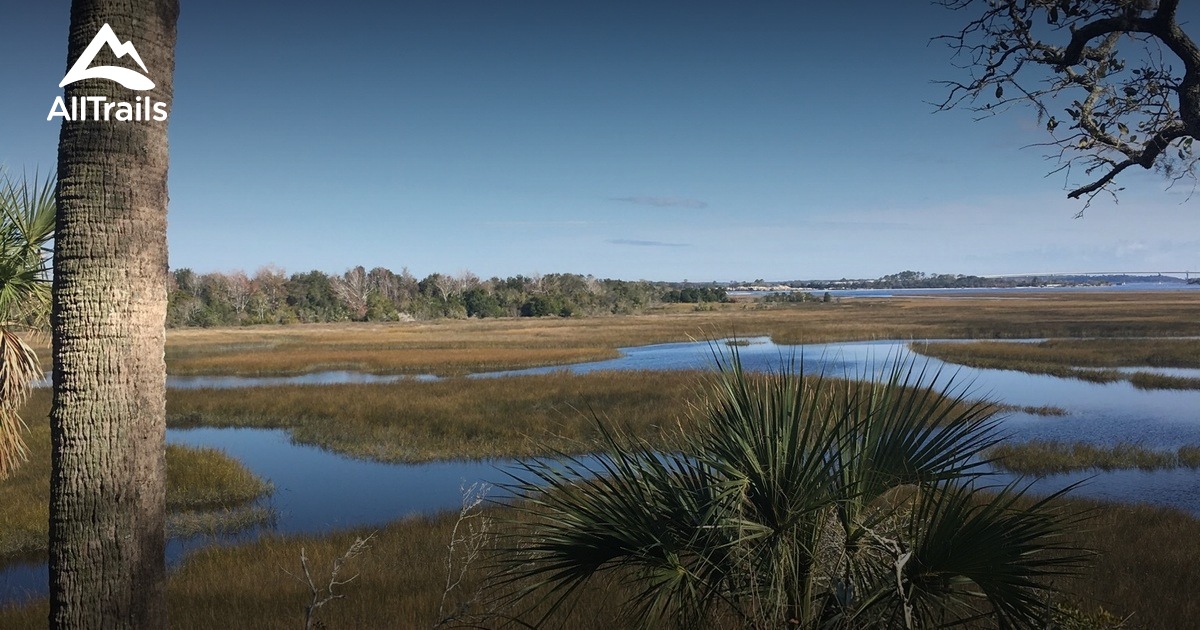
column 1079, row 358
column 411, row 421
column 400, row 583
column 201, row 479
column 197, row 479
column 1147, row 560
column 1039, row 457
column 460, row 418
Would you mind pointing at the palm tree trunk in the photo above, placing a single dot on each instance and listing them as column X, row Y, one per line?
column 107, row 504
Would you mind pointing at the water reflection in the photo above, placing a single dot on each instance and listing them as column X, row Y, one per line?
column 1176, row 488
column 337, row 377
column 332, row 377
column 1097, row 412
column 315, row 491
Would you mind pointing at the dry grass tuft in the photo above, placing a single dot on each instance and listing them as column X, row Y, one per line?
column 202, row 479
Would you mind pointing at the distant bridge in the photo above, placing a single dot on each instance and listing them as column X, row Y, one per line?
column 1186, row 275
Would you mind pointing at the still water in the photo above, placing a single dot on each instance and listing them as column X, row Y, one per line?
column 317, row 491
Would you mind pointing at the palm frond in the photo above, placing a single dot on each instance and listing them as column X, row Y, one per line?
column 911, row 428
column 650, row 517
column 992, row 553
column 797, row 501
column 27, row 219
column 19, row 368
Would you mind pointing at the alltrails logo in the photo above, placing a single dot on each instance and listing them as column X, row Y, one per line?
column 99, row 107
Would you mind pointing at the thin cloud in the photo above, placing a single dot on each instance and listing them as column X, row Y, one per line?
column 540, row 223
column 637, row 243
column 665, row 202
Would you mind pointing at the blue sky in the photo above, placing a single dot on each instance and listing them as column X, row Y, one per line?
column 668, row 140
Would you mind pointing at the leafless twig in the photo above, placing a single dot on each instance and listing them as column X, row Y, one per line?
column 322, row 595
column 467, row 541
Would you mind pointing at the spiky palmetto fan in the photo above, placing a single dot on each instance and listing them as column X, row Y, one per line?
column 797, row 502
column 26, row 226
column 19, row 368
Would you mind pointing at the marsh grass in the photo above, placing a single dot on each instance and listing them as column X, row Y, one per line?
column 1040, row 457
column 1094, row 353
column 218, row 522
column 1040, row 410
column 207, row 479
column 414, row 421
column 400, row 584
column 1084, row 359
column 1145, row 565
column 197, row 479
column 1148, row 380
column 1189, row 456
column 1144, row 569
column 450, row 347
column 446, row 361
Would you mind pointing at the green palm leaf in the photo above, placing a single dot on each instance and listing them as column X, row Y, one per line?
column 972, row 555
column 797, row 502
column 27, row 218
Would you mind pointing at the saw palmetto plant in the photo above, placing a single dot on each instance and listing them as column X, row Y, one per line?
column 799, row 502
column 26, row 228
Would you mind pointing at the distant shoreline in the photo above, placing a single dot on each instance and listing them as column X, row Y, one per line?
column 1149, row 287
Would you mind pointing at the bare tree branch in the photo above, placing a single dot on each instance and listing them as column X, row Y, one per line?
column 1116, row 82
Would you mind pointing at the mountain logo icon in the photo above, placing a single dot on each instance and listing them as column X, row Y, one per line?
column 126, row 77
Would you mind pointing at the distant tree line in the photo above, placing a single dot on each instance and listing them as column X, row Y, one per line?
column 793, row 297
column 921, row 280
column 271, row 296
column 696, row 295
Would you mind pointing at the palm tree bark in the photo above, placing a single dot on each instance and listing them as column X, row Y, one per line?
column 107, row 504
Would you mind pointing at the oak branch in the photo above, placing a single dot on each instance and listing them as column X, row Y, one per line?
column 1115, row 82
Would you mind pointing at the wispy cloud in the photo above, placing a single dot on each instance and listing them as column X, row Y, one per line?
column 637, row 243
column 540, row 223
column 665, row 202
